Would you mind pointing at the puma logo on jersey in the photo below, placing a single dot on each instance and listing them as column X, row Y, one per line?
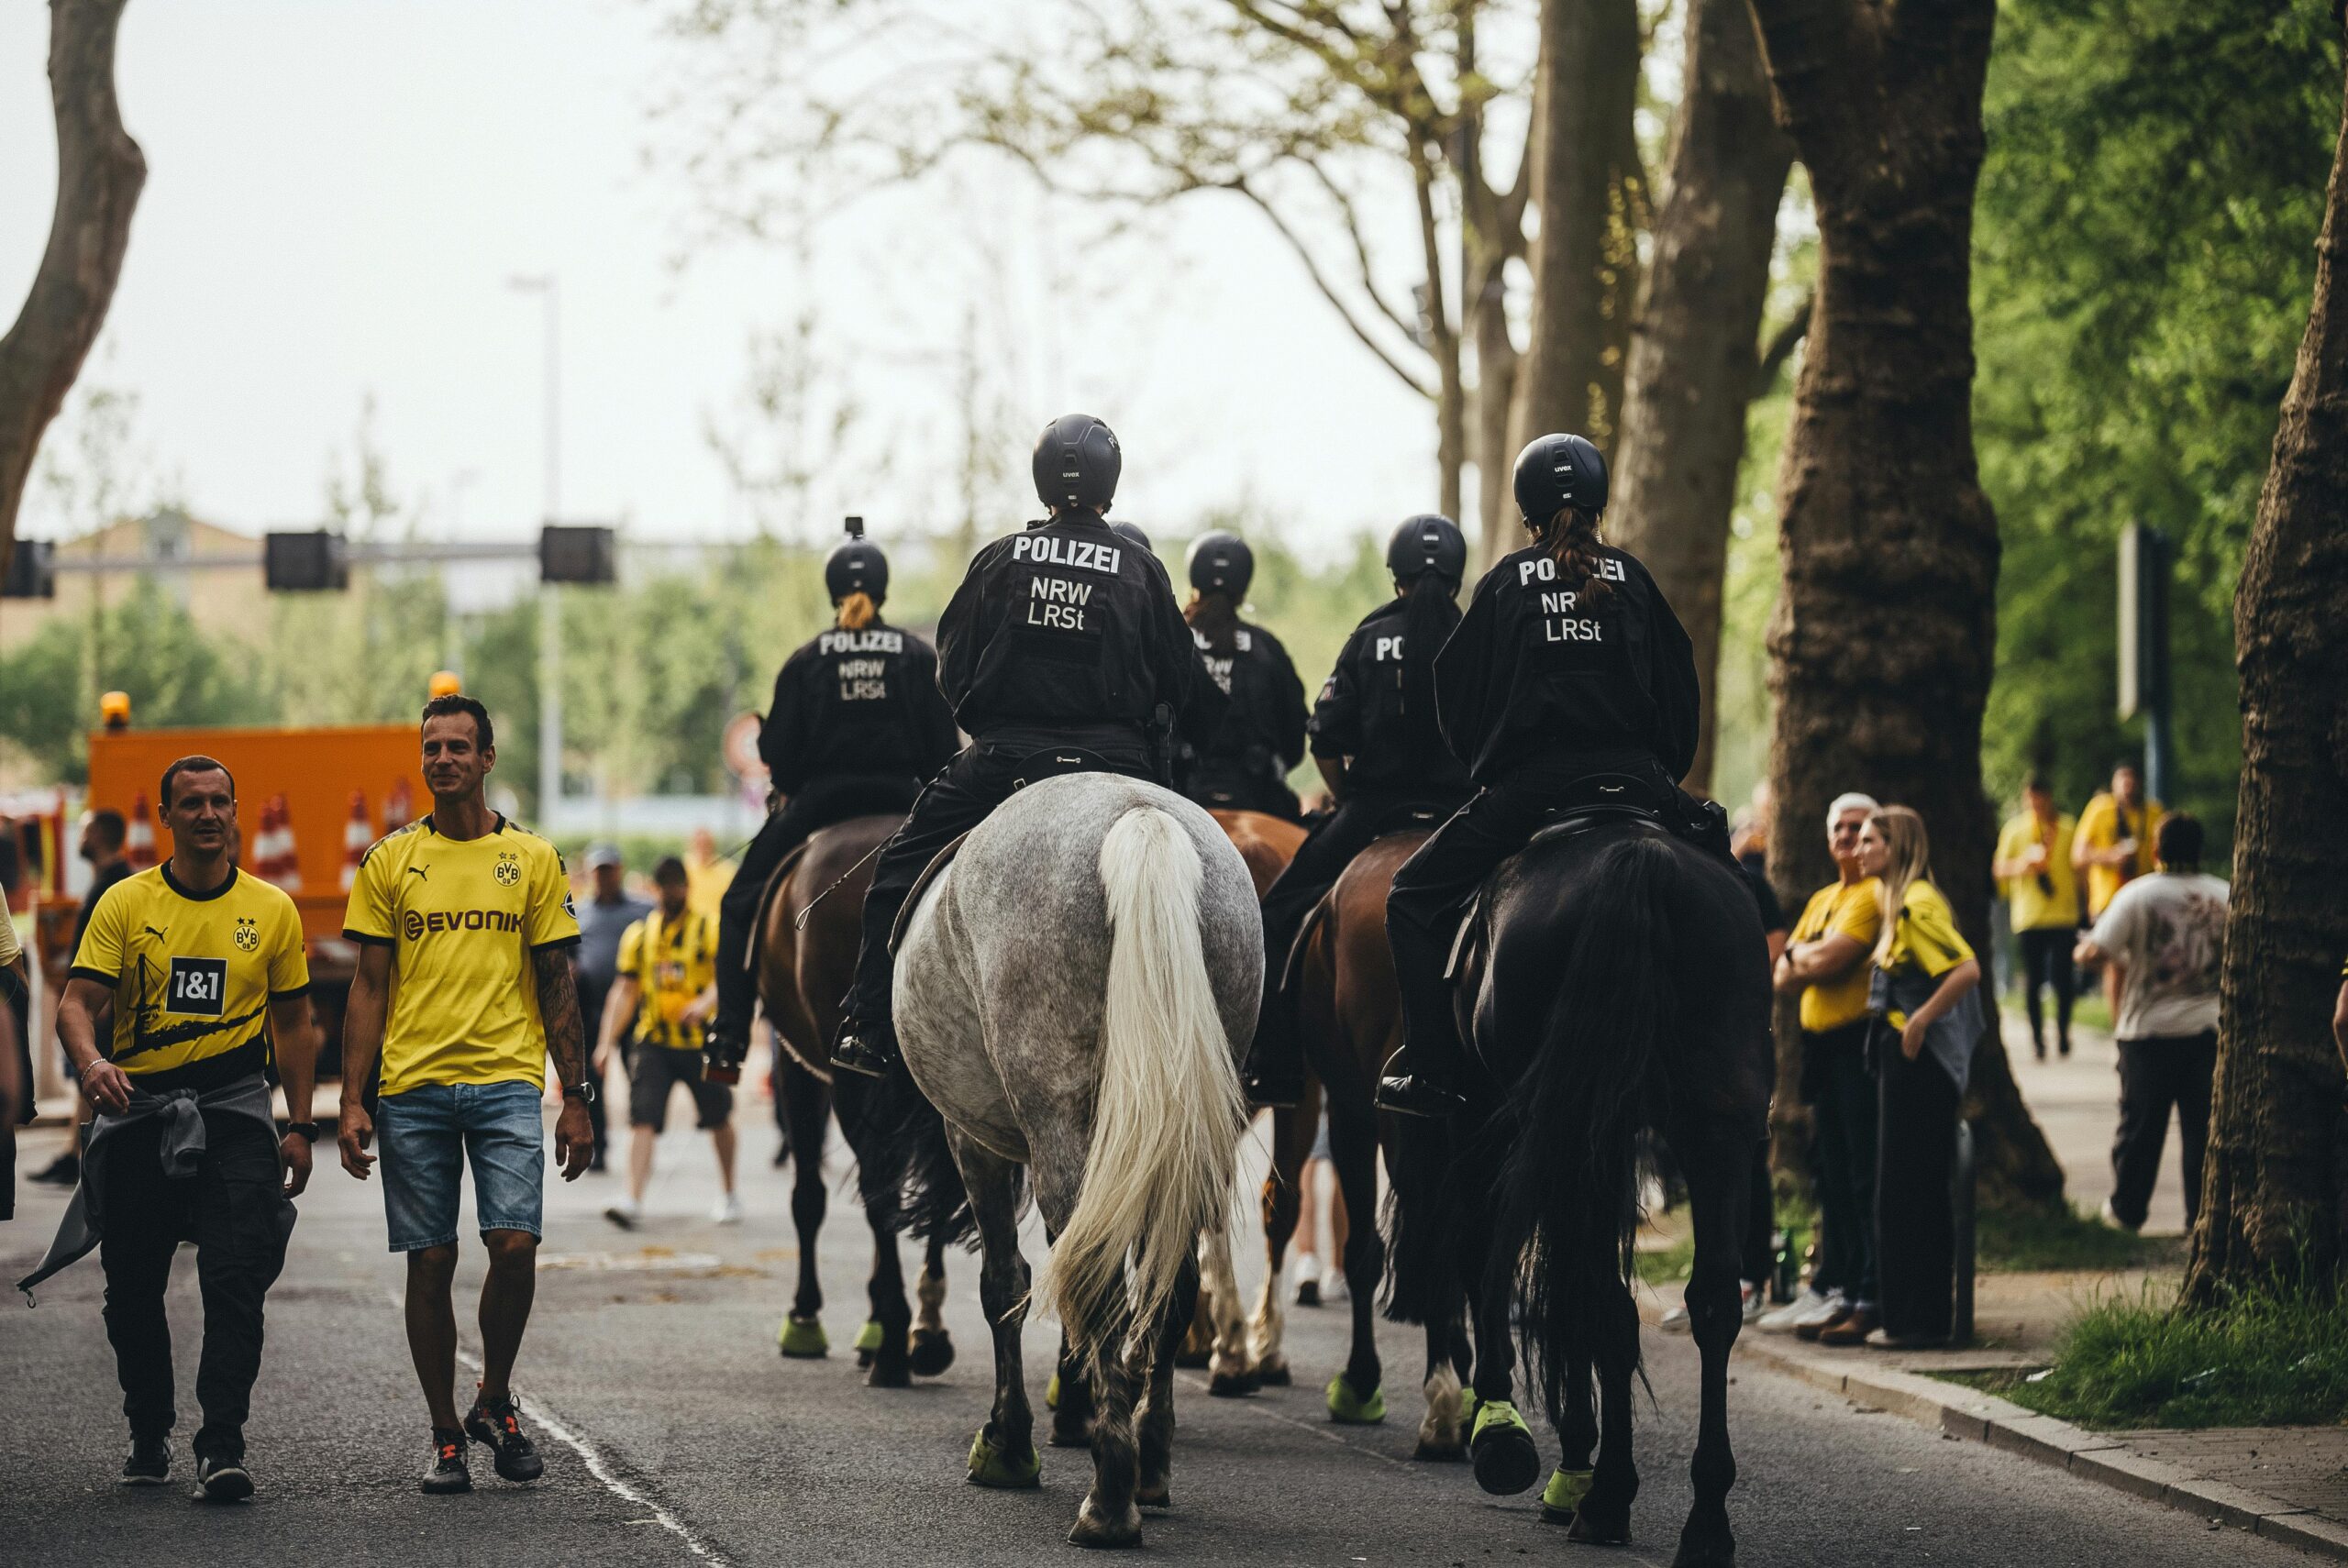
column 418, row 871
column 877, row 639
column 1083, row 554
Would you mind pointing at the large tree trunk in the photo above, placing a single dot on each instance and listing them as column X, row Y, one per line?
column 1498, row 368
column 99, row 172
column 1882, row 643
column 1694, row 350
column 1591, row 192
column 2275, row 1182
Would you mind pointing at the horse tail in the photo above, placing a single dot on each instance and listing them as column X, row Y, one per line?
column 1567, row 1209
column 1167, row 1115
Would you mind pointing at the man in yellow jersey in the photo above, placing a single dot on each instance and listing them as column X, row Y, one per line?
column 707, row 872
column 1826, row 966
column 668, row 981
column 2033, row 863
column 464, row 924
column 204, row 968
column 2116, row 837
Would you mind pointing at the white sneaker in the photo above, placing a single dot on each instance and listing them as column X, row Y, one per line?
column 1674, row 1321
column 1783, row 1319
column 1333, row 1284
column 625, row 1213
column 728, row 1211
column 1754, row 1298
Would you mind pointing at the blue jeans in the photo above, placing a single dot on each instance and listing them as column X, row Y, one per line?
column 426, row 1136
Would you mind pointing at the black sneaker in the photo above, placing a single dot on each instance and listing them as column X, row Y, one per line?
column 448, row 1471
column 149, row 1463
column 867, row 1050
column 496, row 1425
column 221, row 1480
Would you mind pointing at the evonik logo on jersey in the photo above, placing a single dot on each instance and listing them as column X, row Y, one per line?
column 421, row 924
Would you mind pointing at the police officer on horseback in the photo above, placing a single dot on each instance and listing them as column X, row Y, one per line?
column 1568, row 683
column 1375, row 738
column 1063, row 651
column 857, row 724
column 1245, row 767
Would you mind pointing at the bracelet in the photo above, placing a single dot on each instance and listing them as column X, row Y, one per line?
column 307, row 1131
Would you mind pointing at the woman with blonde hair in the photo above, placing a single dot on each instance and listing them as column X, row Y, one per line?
column 1926, row 1000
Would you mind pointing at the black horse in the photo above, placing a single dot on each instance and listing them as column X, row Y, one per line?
column 1656, row 1021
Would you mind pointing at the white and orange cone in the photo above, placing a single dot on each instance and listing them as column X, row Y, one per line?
column 138, row 843
column 399, row 807
column 356, row 836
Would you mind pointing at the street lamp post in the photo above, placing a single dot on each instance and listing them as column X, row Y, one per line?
column 549, row 291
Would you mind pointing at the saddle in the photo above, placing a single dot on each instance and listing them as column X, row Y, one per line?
column 1036, row 766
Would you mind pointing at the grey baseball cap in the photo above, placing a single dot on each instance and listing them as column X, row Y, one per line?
column 601, row 855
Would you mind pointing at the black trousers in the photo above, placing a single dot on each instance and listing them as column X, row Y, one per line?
column 978, row 781
column 2045, row 953
column 1328, row 848
column 819, row 803
column 1845, row 1111
column 2156, row 1073
column 229, row 1209
column 1915, row 1227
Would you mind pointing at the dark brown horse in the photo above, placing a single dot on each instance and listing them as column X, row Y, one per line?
column 810, row 929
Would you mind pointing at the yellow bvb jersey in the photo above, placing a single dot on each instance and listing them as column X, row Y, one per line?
column 673, row 961
column 1853, row 911
column 191, row 974
column 461, row 918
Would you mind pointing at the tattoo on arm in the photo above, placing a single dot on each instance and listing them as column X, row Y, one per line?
column 559, row 1008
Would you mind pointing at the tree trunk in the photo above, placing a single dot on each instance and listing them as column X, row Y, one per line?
column 99, row 172
column 1591, row 194
column 1498, row 369
column 2273, row 1187
column 1882, row 643
column 1694, row 350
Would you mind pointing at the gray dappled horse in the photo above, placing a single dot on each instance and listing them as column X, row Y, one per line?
column 1073, row 993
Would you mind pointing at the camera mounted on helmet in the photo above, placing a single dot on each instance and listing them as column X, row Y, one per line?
column 1221, row 562
column 1077, row 462
column 855, row 566
column 1427, row 543
column 1554, row 472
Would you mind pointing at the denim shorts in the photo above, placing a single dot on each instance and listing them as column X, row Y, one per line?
column 426, row 1136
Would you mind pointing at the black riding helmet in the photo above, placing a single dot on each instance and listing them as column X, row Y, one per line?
column 855, row 566
column 1557, row 471
column 1134, row 536
column 1427, row 543
column 1222, row 563
column 1077, row 462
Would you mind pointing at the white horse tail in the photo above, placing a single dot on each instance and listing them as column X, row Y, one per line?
column 1167, row 1116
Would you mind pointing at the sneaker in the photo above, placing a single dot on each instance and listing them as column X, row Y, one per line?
column 149, row 1462
column 1884, row 1339
column 496, row 1425
column 448, row 1471
column 1783, row 1319
column 63, row 1171
column 1308, row 1280
column 1753, row 1299
column 221, row 1481
column 625, row 1213
column 1675, row 1321
column 1333, row 1284
column 1852, row 1328
column 728, row 1211
column 1810, row 1328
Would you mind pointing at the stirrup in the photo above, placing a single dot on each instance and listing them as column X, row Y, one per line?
column 1410, row 1095
column 1273, row 1091
column 855, row 1054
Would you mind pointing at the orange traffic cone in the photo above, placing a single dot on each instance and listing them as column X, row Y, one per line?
column 138, row 844
column 399, row 807
column 274, row 860
column 356, row 836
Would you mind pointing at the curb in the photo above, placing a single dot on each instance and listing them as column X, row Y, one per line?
column 2103, row 1457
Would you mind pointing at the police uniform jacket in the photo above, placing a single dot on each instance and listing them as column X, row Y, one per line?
column 1262, row 732
column 1067, row 627
column 1392, row 744
column 863, row 701
column 1532, row 674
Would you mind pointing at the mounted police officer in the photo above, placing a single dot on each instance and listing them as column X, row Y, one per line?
column 1569, row 681
column 856, row 727
column 1063, row 651
column 1375, row 739
column 1245, row 767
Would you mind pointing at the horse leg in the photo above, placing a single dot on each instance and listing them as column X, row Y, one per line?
column 1072, row 1411
column 1356, row 1394
column 1440, row 1435
column 1219, row 1305
column 933, row 1348
column 1110, row 1514
column 805, row 1101
column 1576, row 1436
column 1157, row 1423
column 1280, row 1202
column 1718, row 1182
column 1499, row 1443
column 1003, row 1454
column 1604, row 1514
column 886, row 1292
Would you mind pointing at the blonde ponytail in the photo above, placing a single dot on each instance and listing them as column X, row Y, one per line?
column 858, row 612
column 1909, row 862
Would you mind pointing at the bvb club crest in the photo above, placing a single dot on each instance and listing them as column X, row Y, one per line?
column 509, row 869
column 248, row 936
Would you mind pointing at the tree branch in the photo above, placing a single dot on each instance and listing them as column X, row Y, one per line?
column 1780, row 346
column 1328, row 292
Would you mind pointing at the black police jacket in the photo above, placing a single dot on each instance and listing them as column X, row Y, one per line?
column 1532, row 673
column 1262, row 733
column 1364, row 714
column 860, row 701
column 1066, row 627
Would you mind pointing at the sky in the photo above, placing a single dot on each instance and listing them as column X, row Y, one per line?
column 340, row 193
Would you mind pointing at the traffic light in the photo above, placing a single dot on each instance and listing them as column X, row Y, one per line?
column 316, row 561
column 32, row 571
column 574, row 553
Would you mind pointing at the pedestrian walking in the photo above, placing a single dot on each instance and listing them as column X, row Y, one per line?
column 595, row 964
column 668, row 985
column 1826, row 966
column 2164, row 935
column 1926, row 997
column 2032, row 864
column 204, row 971
column 2115, row 838
column 464, row 923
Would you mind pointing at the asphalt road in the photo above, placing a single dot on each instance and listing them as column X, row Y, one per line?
column 674, row 1432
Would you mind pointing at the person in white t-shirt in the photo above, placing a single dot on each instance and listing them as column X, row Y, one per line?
column 2165, row 934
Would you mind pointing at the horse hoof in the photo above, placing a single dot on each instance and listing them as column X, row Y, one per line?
column 1159, row 1496
column 1234, row 1384
column 1052, row 1393
column 932, row 1352
column 868, row 1343
column 889, row 1372
column 1596, row 1531
column 1450, row 1453
column 1352, row 1409
column 1274, row 1374
column 1091, row 1530
column 1072, row 1434
column 803, row 1339
column 993, row 1467
column 1507, row 1459
column 1561, row 1498
column 1192, row 1359
column 1706, row 1549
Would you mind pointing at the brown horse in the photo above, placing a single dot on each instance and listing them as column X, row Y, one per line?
column 1350, row 1014
column 810, row 929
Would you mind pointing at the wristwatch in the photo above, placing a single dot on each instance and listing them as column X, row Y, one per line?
column 308, row 1130
column 583, row 1092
